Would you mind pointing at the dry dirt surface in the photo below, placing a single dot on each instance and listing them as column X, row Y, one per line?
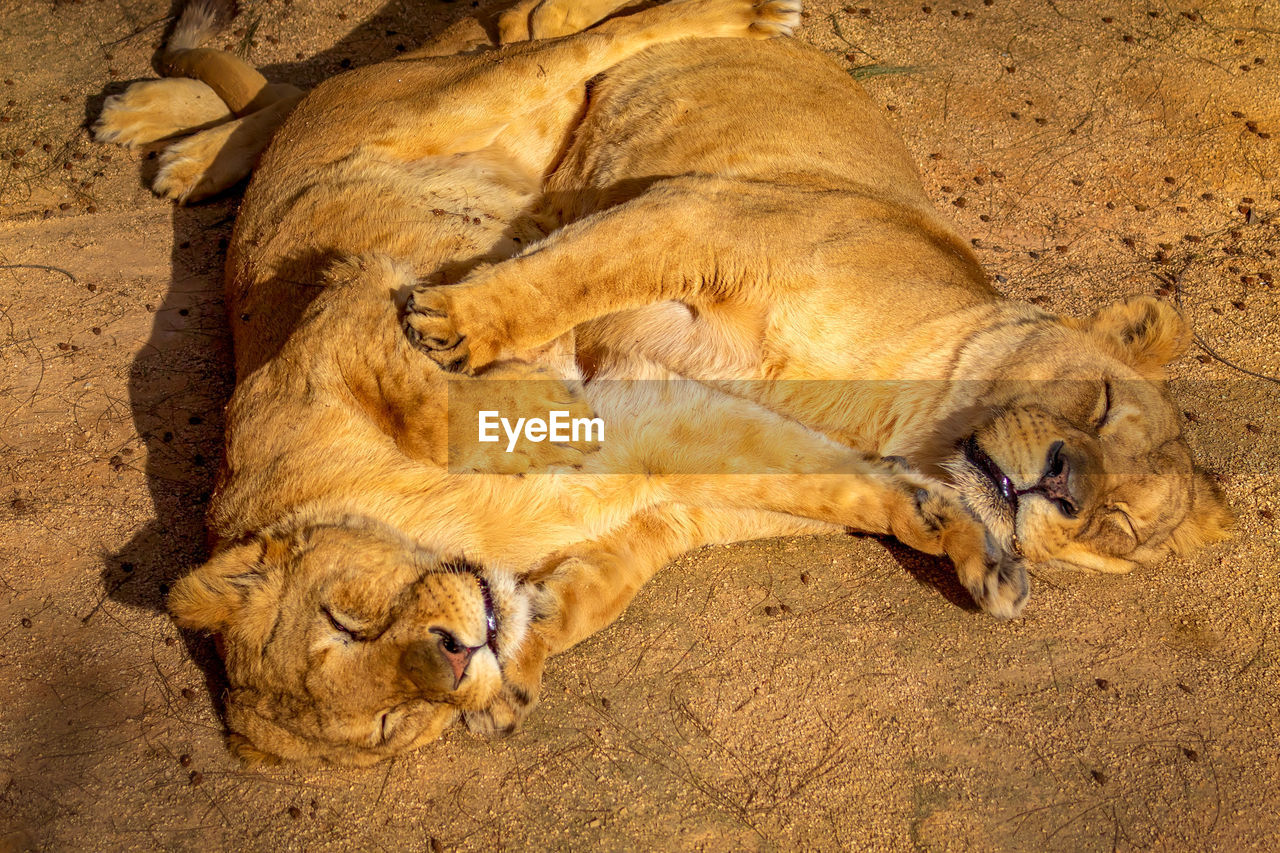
column 829, row 693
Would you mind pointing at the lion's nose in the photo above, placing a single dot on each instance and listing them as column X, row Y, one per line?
column 457, row 654
column 440, row 664
column 1055, row 483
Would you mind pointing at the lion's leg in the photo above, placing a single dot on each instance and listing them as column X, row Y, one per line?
column 881, row 497
column 221, row 150
column 546, row 19
column 586, row 587
column 203, row 89
column 773, row 464
column 877, row 496
column 679, row 241
column 240, row 86
column 508, row 93
column 217, row 159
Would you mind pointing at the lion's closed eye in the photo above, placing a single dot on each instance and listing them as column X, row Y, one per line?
column 385, row 726
column 1102, row 410
column 350, row 625
column 1127, row 523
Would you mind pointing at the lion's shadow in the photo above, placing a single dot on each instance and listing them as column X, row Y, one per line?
column 181, row 380
column 936, row 572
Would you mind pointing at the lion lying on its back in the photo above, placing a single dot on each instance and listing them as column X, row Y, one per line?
column 743, row 215
column 366, row 596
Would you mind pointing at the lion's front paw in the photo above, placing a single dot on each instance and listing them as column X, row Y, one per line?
column 505, row 715
column 934, row 511
column 435, row 323
column 997, row 581
column 521, row 684
column 152, row 110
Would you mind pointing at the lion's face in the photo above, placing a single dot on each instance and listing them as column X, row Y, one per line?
column 1079, row 457
column 345, row 643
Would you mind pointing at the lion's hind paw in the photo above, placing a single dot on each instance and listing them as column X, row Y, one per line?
column 776, row 18
column 151, row 110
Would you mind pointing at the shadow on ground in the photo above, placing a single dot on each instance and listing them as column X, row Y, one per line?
column 180, row 382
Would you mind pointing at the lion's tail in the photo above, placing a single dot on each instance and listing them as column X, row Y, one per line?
column 200, row 21
column 236, row 82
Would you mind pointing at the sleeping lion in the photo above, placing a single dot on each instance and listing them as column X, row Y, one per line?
column 814, row 277
column 734, row 212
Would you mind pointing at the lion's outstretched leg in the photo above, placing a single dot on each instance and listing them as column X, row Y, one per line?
column 675, row 242
column 216, row 159
column 527, row 97
column 877, row 496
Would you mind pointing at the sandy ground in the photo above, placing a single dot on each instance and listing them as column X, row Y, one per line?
column 817, row 693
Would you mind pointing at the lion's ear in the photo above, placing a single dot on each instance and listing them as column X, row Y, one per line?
column 1210, row 519
column 1151, row 333
column 210, row 597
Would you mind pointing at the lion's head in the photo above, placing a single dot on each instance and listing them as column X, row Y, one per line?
column 345, row 642
column 1078, row 456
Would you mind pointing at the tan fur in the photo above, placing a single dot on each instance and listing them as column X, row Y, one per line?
column 358, row 521
column 338, row 527
column 794, row 260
